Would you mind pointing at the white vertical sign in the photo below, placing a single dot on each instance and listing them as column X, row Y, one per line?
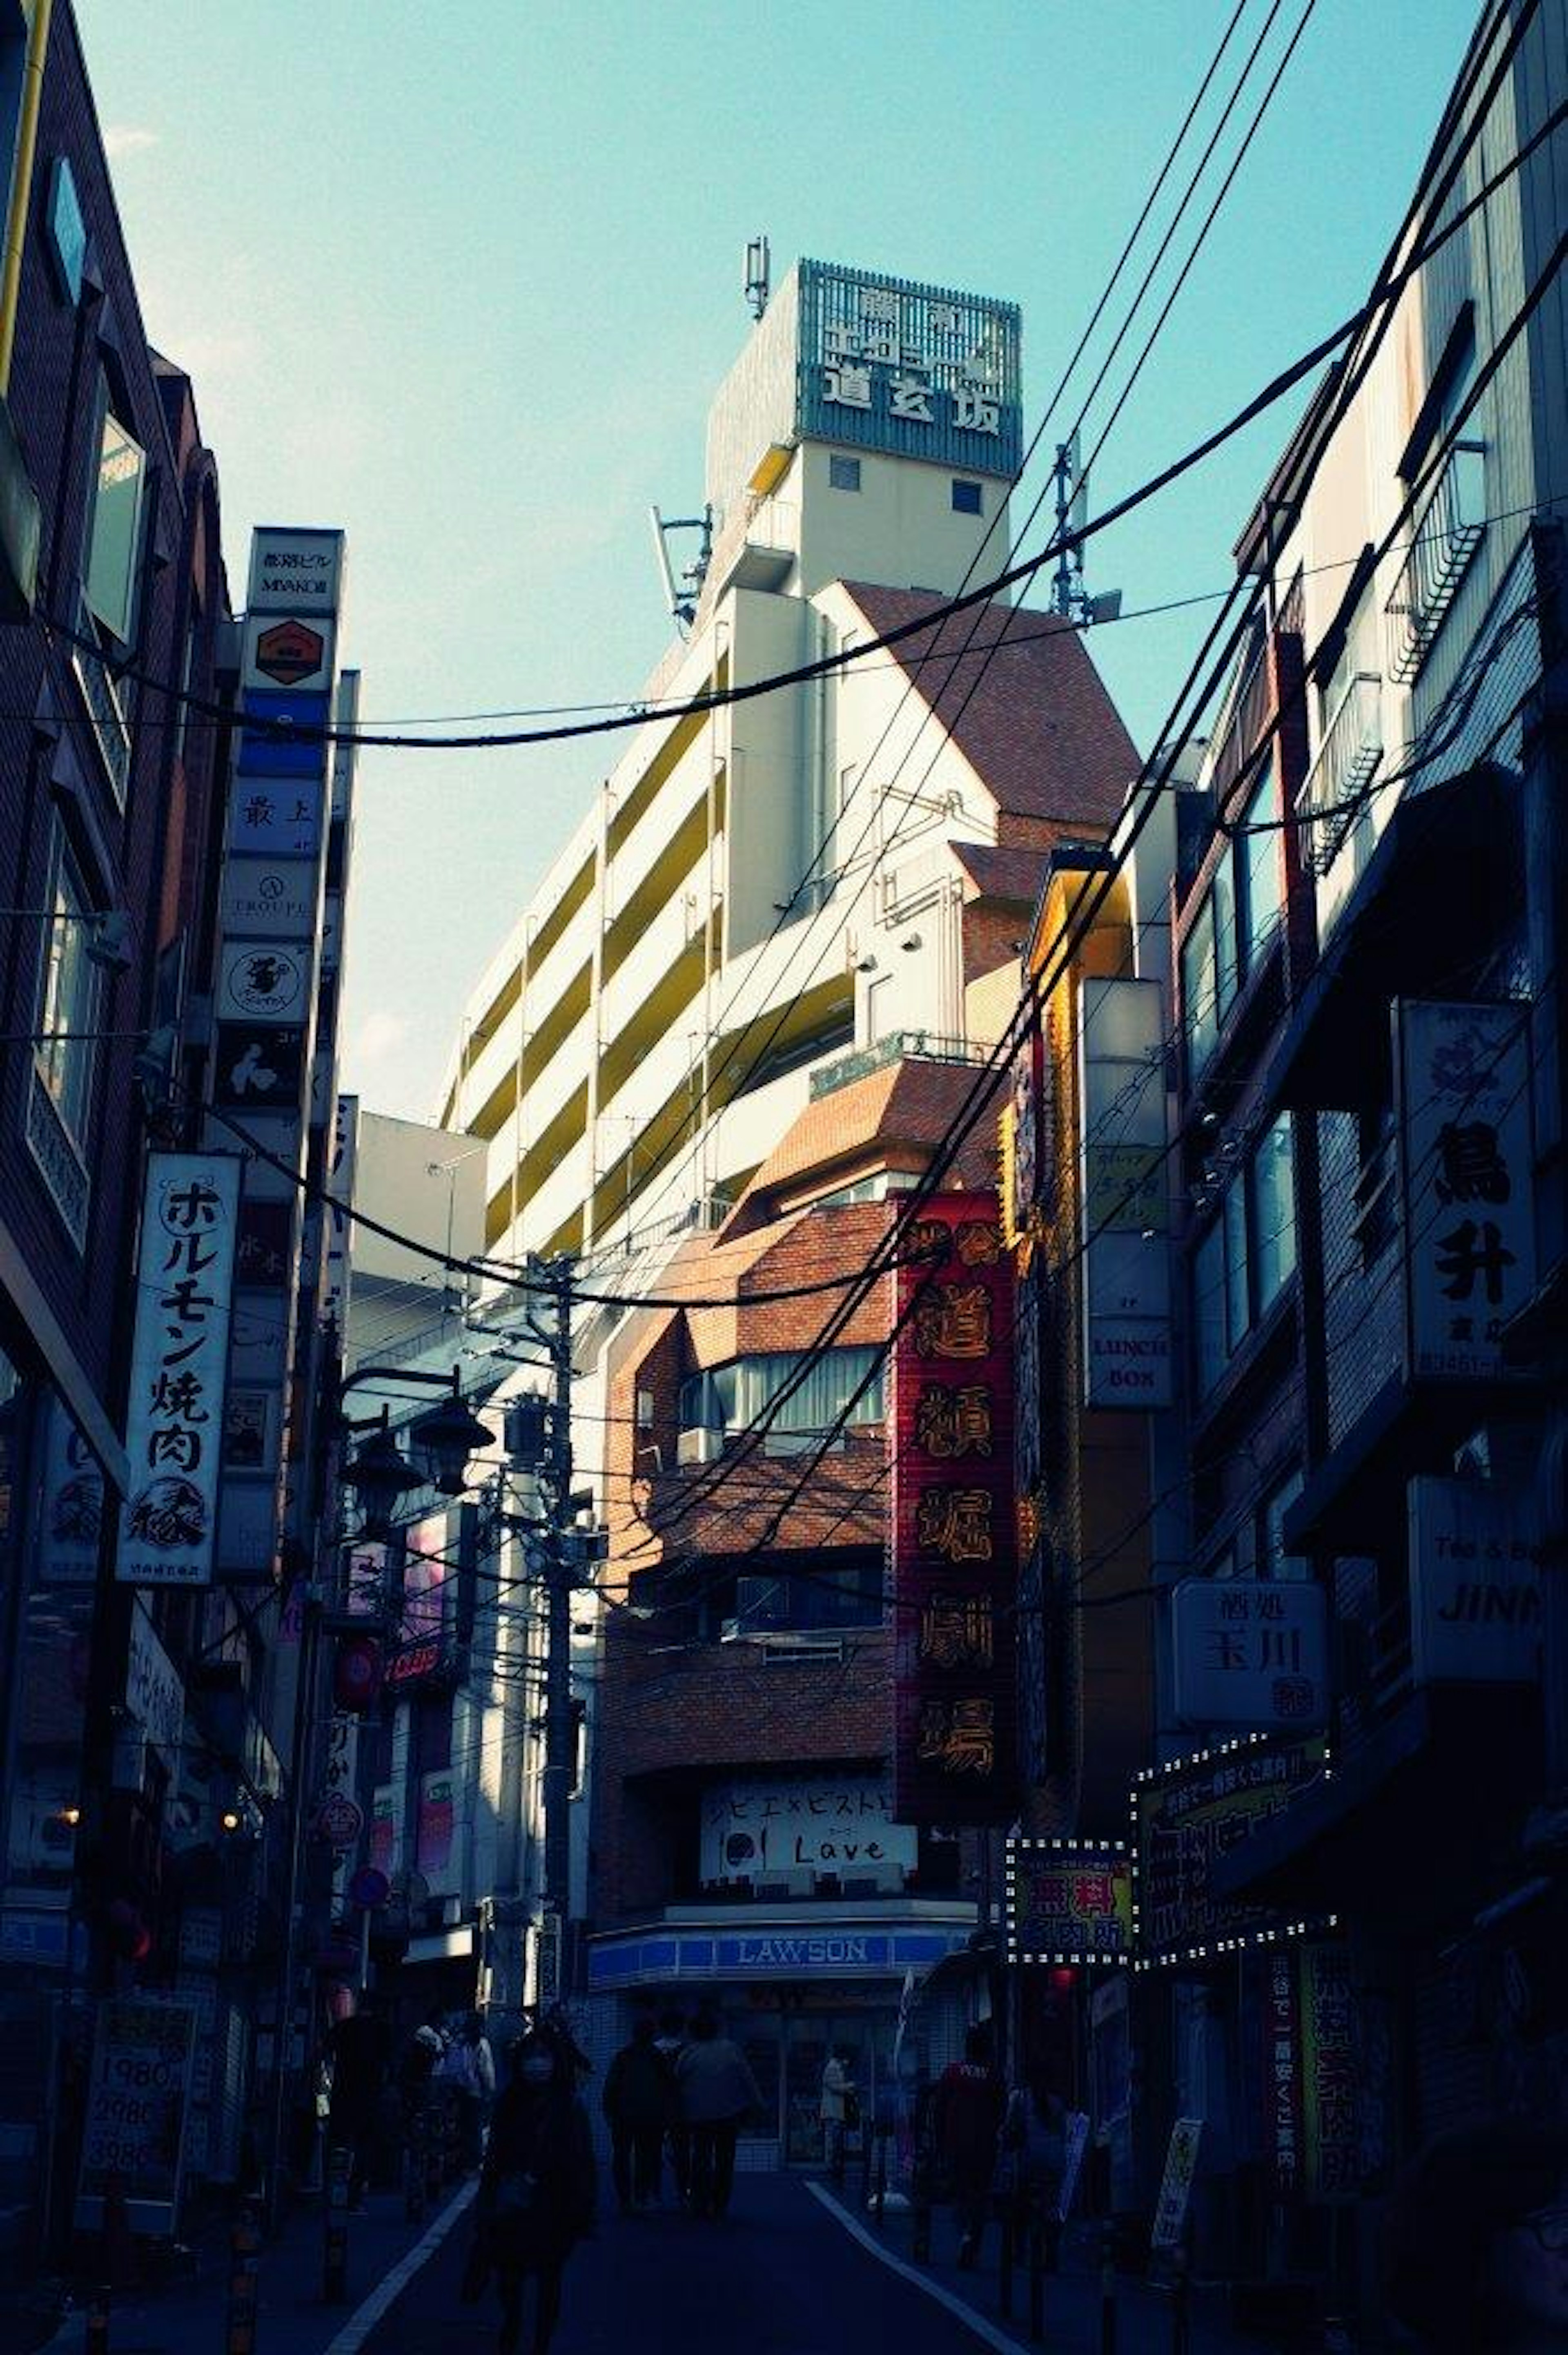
column 174, row 1424
column 1124, row 1195
column 1466, row 1177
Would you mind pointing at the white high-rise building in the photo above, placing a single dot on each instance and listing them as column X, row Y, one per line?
column 831, row 867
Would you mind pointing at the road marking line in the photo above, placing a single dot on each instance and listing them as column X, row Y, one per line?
column 1002, row 2341
column 360, row 2325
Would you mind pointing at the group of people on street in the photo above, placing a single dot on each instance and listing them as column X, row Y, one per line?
column 682, row 2092
column 375, row 2095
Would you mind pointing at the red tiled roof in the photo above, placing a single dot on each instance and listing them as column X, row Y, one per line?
column 1003, row 870
column 900, row 1113
column 1025, row 705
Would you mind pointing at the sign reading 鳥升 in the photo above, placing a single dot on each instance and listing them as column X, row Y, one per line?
column 178, row 1365
column 1467, row 1182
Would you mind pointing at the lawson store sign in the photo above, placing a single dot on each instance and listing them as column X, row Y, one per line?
column 839, row 1952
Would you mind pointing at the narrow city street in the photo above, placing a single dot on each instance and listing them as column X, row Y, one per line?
column 790, row 2272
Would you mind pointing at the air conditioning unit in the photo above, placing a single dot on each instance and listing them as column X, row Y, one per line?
column 702, row 1445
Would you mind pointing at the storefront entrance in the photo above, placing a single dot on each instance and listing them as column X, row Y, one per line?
column 787, row 2047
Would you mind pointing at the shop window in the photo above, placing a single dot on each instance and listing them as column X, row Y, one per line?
column 1244, row 1262
column 114, row 546
column 71, row 998
column 1232, row 932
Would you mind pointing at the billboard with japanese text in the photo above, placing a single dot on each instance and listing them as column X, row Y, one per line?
column 1068, row 1900
column 1190, row 1815
column 954, row 1520
column 179, row 1359
column 1466, row 1182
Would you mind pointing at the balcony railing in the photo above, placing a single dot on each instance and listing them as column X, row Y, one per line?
column 918, row 1045
column 1348, row 759
column 1444, row 541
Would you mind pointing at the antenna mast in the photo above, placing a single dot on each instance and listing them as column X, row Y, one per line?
column 1068, row 596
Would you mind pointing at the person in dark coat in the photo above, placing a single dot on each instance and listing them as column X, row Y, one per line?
column 535, row 2195
column 717, row 2089
column 361, row 2049
column 966, row 2111
column 638, row 2101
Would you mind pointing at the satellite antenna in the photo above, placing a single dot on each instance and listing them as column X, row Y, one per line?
column 1068, row 596
column 681, row 595
column 759, row 272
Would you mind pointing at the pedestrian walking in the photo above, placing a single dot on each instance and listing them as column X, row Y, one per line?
column 717, row 2090
column 638, row 2100
column 670, row 2043
column 359, row 2047
column 1475, row 2242
column 968, row 2106
column 838, row 2108
column 535, row 2194
column 1035, row 2149
column 473, row 2083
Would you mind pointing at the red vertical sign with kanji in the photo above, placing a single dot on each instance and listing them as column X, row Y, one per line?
column 954, row 1521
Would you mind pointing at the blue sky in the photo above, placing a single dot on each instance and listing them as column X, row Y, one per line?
column 463, row 281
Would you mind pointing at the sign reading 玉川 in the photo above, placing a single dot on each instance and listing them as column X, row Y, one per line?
column 173, row 1424
column 1250, row 1651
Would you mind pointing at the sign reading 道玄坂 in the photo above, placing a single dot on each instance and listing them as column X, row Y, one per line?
column 179, row 1368
column 921, row 370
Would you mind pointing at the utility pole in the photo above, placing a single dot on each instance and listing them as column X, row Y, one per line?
column 560, row 1730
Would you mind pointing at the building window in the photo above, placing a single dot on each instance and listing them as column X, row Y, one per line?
column 66, row 1050
column 1273, row 1560
column 844, row 473
column 114, row 528
column 967, row 499
column 728, row 1398
column 1232, row 931
column 1246, row 1259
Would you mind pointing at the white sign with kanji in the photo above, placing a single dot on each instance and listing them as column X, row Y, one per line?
column 1251, row 1652
column 1467, row 1182
column 173, row 1422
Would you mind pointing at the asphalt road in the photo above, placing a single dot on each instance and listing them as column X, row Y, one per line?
column 778, row 2276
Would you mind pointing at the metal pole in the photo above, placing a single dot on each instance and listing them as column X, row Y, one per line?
column 559, row 1732
column 299, row 1769
column 1108, row 2288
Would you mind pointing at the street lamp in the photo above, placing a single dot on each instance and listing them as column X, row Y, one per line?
column 443, row 1439
column 380, row 1478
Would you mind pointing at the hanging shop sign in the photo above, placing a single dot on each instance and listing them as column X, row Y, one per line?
column 1128, row 1356
column 1281, row 2072
column 295, row 571
column 287, row 650
column 276, row 899
column 954, row 1520
column 1176, row 2184
column 1188, row 1815
column 71, row 1520
column 264, row 982
column 1331, row 2137
column 179, row 1368
column 1466, row 1167
column 155, row 1692
column 133, row 2141
column 827, row 1824
column 1476, row 1609
column 1251, row 1652
column 1068, row 1900
column 276, row 818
